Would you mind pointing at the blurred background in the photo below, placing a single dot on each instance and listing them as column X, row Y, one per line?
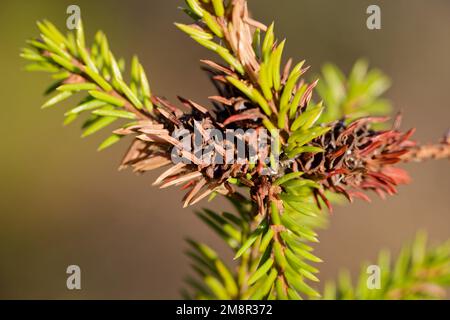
column 63, row 203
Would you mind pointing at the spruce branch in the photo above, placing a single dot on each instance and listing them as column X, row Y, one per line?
column 95, row 72
column 357, row 95
column 326, row 148
column 430, row 151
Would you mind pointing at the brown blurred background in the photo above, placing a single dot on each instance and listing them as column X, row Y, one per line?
column 63, row 203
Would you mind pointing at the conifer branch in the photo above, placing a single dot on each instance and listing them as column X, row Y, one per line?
column 354, row 96
column 325, row 149
column 429, row 151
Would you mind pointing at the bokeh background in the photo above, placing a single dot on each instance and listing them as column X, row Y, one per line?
column 63, row 203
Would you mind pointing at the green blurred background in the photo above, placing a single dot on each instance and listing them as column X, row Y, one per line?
column 64, row 203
